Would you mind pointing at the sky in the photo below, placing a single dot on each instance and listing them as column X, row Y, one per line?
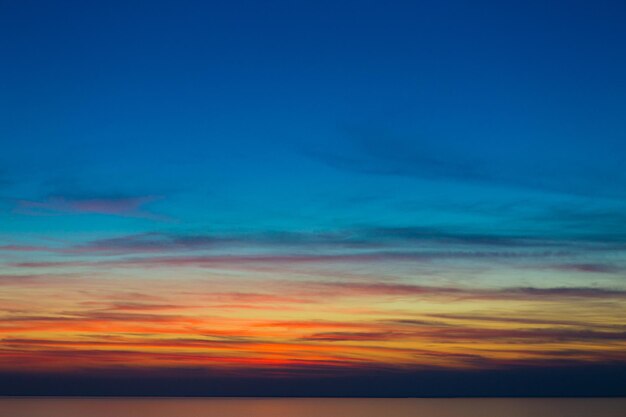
column 313, row 198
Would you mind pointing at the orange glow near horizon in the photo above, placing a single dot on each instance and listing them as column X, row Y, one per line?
column 98, row 323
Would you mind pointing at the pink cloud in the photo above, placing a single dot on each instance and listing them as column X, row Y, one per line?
column 125, row 206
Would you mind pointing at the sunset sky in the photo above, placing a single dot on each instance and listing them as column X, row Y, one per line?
column 300, row 192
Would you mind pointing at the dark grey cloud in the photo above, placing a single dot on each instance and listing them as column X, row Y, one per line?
column 523, row 320
column 509, row 293
column 356, row 237
column 595, row 268
column 113, row 205
column 452, row 334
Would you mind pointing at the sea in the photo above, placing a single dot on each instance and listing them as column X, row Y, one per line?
column 312, row 407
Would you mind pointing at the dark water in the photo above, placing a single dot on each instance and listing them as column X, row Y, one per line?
column 310, row 407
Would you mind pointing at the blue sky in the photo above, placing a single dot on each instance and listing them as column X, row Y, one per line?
column 199, row 104
column 449, row 144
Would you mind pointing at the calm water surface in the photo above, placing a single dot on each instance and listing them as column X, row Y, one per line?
column 309, row 407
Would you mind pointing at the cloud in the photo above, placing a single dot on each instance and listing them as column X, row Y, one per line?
column 356, row 336
column 252, row 262
column 166, row 242
column 295, row 325
column 382, row 152
column 331, row 253
column 563, row 292
column 447, row 334
column 24, row 248
column 538, row 335
column 594, row 268
column 112, row 205
column 250, row 298
column 517, row 320
column 510, row 293
column 358, row 238
column 104, row 320
column 129, row 306
column 149, row 242
column 20, row 280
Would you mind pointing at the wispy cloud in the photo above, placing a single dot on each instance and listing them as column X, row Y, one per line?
column 383, row 152
column 238, row 261
column 113, row 205
column 358, row 237
column 499, row 319
column 543, row 335
column 511, row 293
column 595, row 268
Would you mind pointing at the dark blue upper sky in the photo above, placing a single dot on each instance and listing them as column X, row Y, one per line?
column 189, row 99
column 303, row 115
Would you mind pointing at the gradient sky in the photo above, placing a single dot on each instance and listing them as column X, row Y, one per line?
column 269, row 195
